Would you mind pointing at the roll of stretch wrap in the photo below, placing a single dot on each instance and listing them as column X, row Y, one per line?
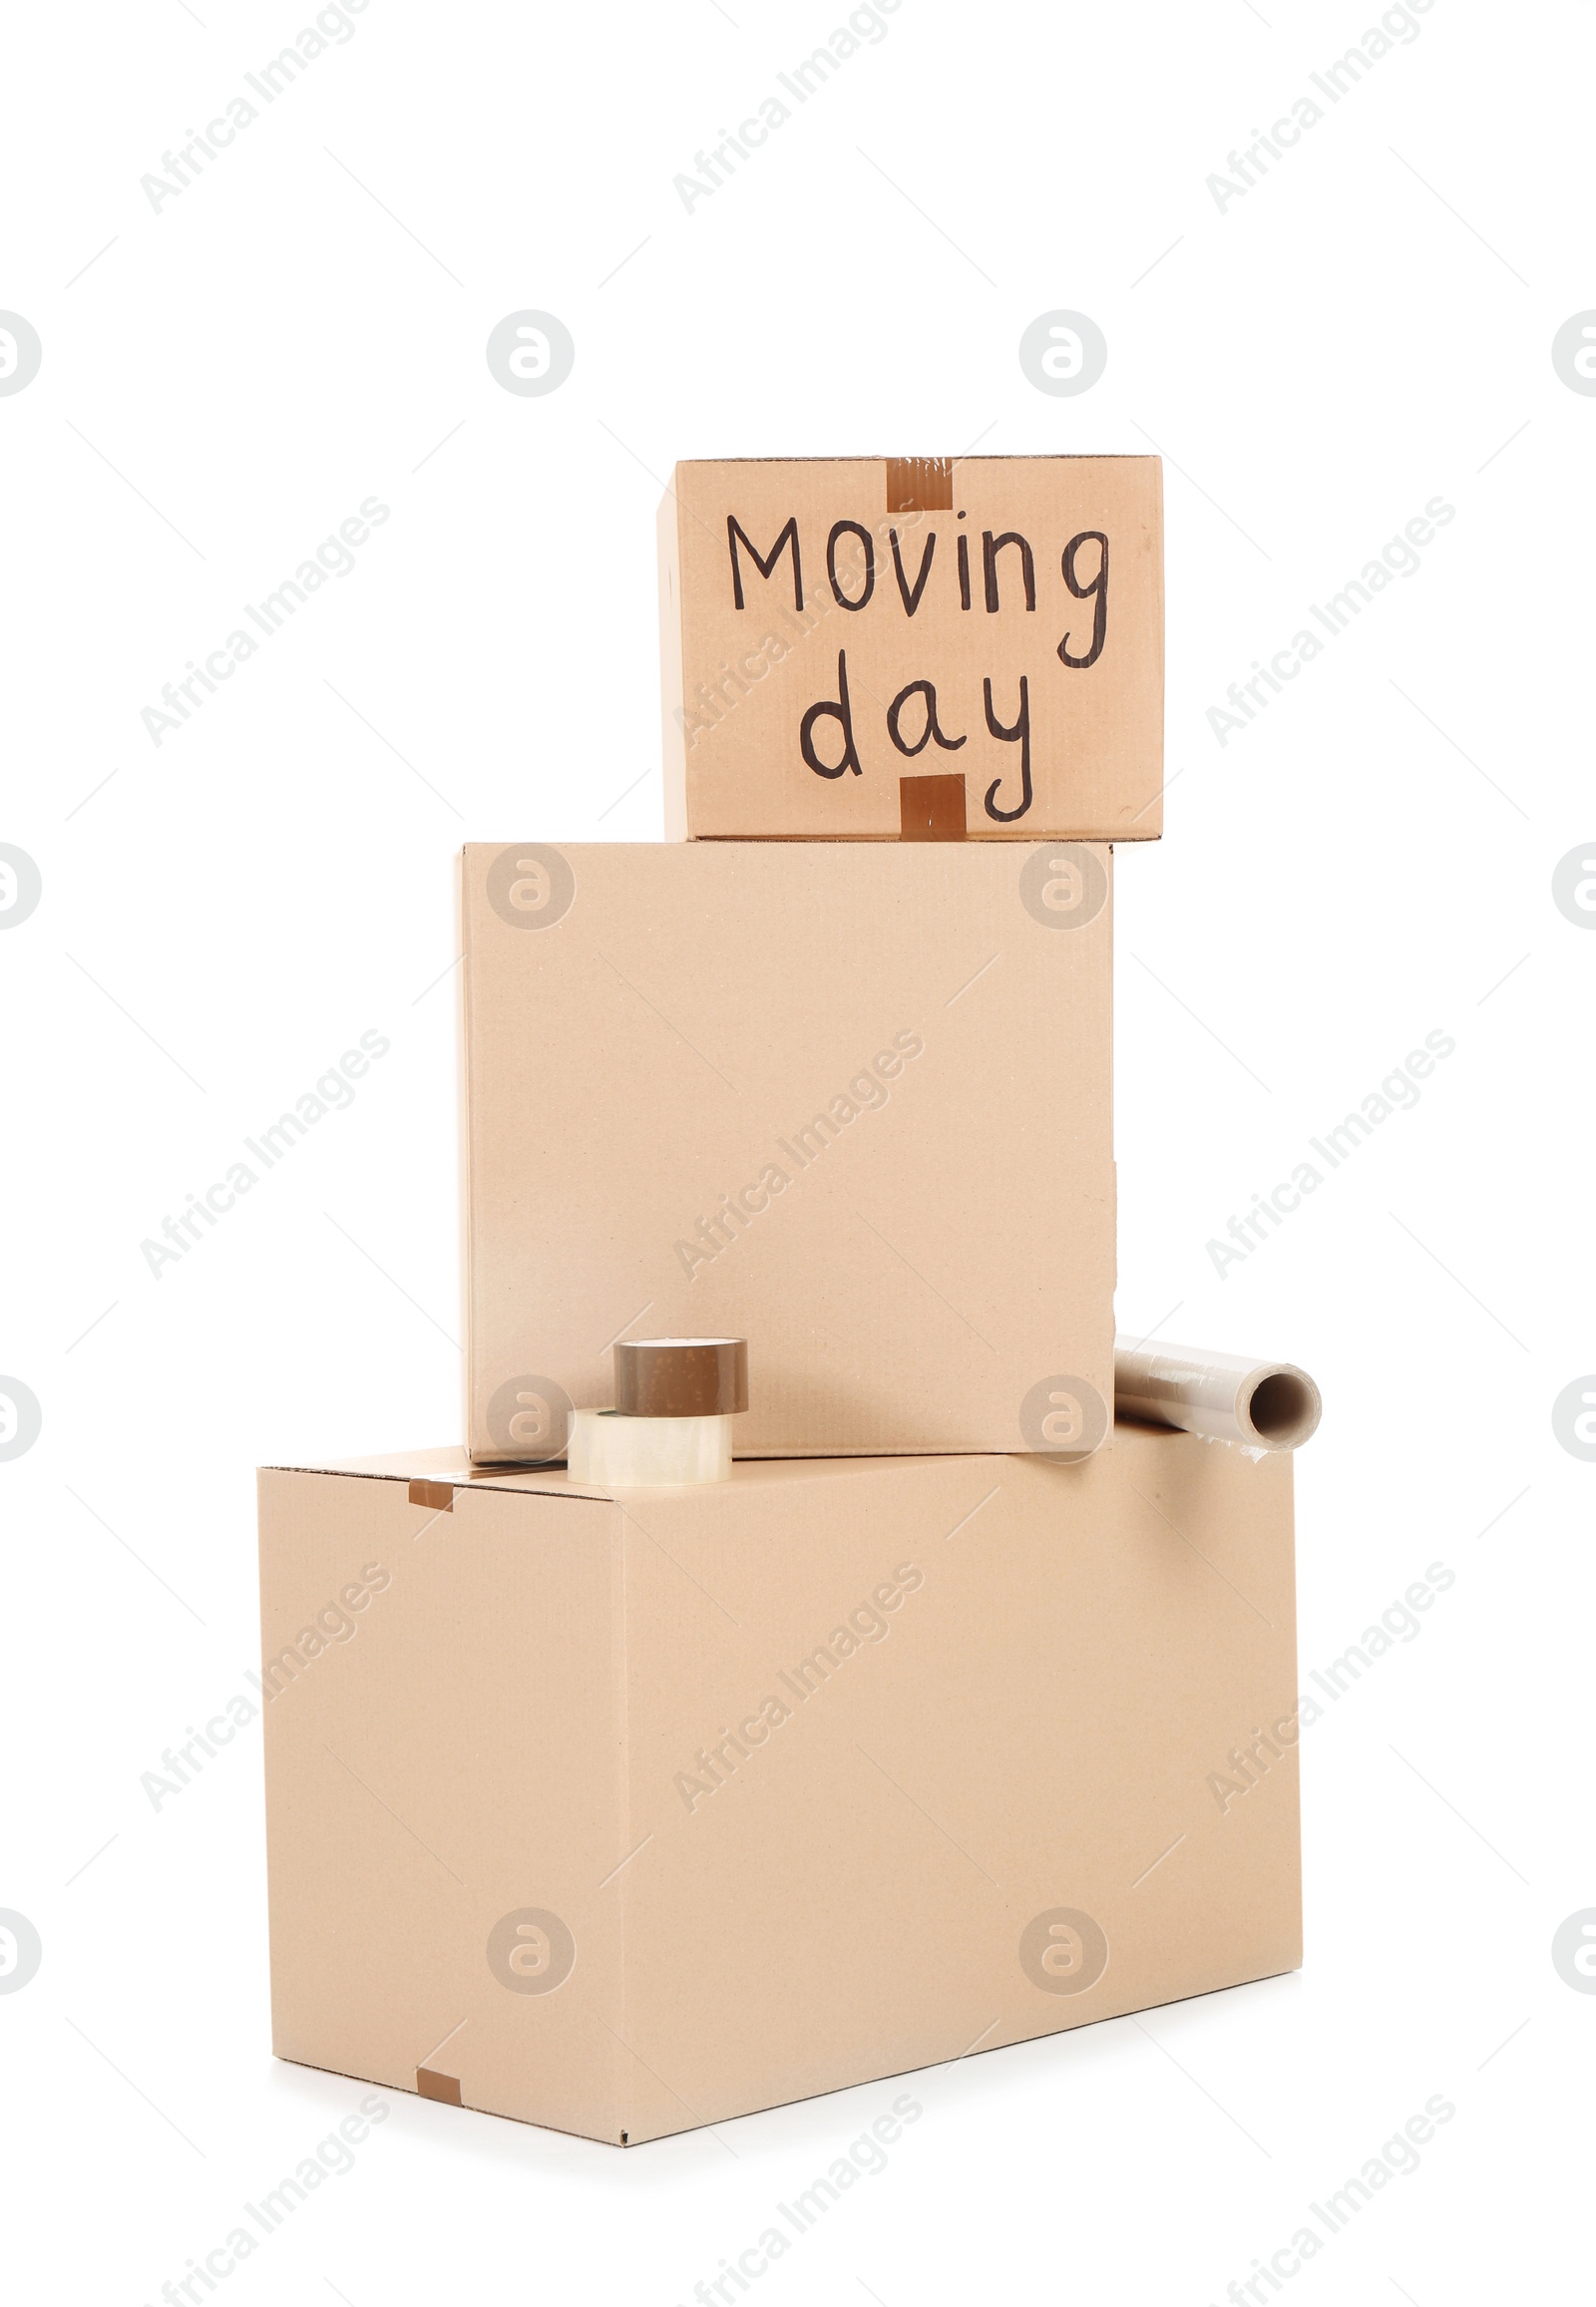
column 1228, row 1398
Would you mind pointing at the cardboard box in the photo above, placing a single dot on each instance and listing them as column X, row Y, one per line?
column 850, row 1101
column 626, row 1814
column 836, row 633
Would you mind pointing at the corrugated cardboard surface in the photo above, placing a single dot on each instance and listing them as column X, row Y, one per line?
column 737, row 682
column 880, row 1072
column 463, row 1740
column 1021, row 1676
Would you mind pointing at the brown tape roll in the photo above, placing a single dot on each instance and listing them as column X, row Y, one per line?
column 682, row 1377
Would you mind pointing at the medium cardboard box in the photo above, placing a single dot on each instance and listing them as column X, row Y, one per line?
column 838, row 634
column 850, row 1101
column 623, row 1814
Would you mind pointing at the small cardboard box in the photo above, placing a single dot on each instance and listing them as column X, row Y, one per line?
column 838, row 634
column 626, row 1813
column 850, row 1101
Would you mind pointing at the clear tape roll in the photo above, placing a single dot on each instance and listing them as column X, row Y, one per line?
column 1228, row 1398
column 608, row 1450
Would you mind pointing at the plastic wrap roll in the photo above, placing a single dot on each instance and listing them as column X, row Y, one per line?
column 1228, row 1398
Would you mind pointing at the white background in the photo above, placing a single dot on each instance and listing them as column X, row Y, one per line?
column 1369, row 861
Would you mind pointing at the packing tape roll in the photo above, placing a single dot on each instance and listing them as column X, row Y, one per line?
column 1228, row 1398
column 615, row 1453
column 682, row 1377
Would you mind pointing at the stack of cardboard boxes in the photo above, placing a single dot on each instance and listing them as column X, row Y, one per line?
column 628, row 1810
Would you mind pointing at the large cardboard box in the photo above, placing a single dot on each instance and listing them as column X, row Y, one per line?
column 850, row 1101
column 838, row 634
column 625, row 1813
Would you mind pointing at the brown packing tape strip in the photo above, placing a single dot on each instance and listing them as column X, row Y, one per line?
column 931, row 808
column 920, row 484
column 682, row 1377
column 445, row 2089
column 437, row 1494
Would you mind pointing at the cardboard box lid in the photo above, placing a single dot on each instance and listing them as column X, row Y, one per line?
column 447, row 1466
column 451, row 1466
